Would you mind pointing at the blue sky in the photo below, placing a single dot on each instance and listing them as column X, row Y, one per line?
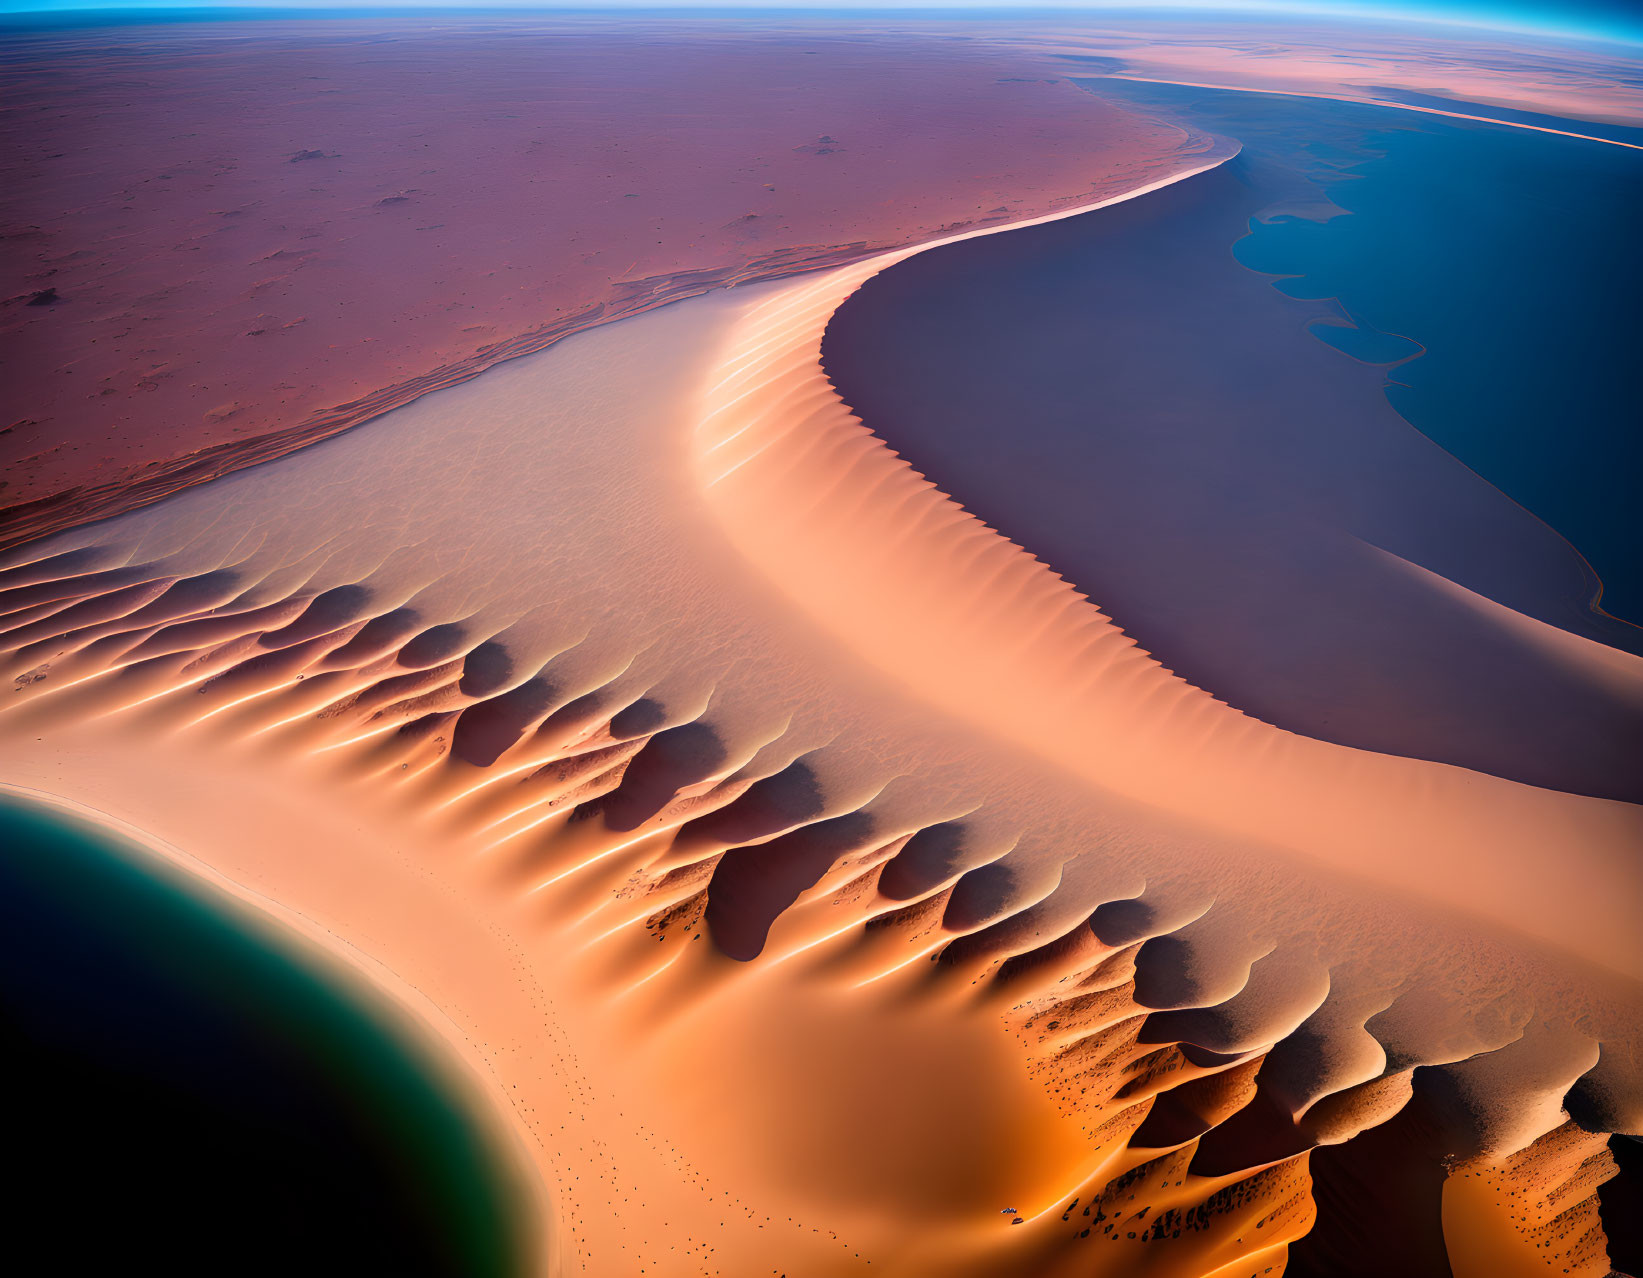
column 1611, row 19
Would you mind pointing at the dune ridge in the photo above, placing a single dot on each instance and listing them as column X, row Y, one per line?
column 30, row 520
column 227, row 245
column 543, row 726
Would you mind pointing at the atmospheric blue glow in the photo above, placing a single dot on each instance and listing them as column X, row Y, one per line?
column 1612, row 20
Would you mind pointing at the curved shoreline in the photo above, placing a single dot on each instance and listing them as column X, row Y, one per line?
column 883, row 559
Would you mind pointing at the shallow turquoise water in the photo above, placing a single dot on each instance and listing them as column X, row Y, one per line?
column 214, row 1099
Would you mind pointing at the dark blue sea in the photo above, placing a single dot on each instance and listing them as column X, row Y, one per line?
column 188, row 1096
column 1506, row 268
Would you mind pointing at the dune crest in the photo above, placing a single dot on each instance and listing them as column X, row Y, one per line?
column 877, row 554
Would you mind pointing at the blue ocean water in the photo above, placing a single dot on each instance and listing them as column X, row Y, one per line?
column 1505, row 266
column 187, row 1096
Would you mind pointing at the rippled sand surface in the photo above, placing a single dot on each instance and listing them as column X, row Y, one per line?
column 809, row 872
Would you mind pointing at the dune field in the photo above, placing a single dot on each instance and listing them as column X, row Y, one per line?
column 810, row 880
column 1244, row 495
column 228, row 245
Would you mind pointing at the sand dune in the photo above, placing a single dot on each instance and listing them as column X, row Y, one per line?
column 227, row 243
column 810, row 872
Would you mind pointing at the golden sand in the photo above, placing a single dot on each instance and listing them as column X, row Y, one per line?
column 808, row 872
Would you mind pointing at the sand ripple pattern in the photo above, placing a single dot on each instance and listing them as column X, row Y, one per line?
column 1216, row 946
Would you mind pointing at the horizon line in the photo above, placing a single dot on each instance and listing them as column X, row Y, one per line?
column 1359, row 11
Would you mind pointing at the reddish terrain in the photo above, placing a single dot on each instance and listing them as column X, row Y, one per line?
column 225, row 241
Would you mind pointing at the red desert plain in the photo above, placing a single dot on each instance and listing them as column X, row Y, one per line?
column 226, row 245
column 428, row 519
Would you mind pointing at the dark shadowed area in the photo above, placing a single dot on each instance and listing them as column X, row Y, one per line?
column 1165, row 428
column 189, row 1092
